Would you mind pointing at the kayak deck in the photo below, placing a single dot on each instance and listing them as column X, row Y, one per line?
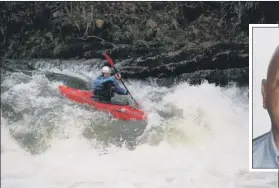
column 123, row 112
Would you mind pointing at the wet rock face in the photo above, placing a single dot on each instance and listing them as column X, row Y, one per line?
column 240, row 76
column 218, row 64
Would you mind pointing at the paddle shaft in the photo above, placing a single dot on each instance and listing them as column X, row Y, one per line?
column 112, row 65
column 125, row 86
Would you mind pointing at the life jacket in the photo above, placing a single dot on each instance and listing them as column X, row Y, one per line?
column 104, row 91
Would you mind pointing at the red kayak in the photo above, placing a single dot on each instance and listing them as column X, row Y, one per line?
column 123, row 112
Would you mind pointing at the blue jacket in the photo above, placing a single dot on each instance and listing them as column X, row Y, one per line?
column 100, row 81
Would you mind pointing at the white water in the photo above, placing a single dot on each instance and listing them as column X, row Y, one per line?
column 204, row 145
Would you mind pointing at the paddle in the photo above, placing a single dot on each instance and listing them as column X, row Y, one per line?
column 112, row 65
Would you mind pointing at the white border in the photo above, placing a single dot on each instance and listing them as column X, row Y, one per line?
column 250, row 95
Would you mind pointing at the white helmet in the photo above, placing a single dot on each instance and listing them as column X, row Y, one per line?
column 106, row 69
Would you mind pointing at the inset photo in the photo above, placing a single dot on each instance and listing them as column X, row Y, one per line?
column 264, row 97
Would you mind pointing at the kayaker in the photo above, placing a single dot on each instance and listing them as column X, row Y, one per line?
column 105, row 88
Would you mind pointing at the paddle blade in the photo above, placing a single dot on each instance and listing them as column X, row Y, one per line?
column 109, row 60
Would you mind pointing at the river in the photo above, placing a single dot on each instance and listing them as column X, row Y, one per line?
column 196, row 136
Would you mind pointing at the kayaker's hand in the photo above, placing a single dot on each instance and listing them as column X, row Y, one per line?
column 118, row 76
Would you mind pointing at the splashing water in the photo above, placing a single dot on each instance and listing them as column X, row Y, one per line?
column 196, row 136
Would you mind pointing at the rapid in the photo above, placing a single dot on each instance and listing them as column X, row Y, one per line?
column 196, row 136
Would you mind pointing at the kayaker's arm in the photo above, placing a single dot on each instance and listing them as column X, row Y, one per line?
column 119, row 90
column 109, row 79
column 99, row 82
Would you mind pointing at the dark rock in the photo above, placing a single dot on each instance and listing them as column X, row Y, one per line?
column 240, row 76
column 219, row 64
column 164, row 50
column 221, row 56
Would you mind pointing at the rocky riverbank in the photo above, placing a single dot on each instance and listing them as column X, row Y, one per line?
column 197, row 40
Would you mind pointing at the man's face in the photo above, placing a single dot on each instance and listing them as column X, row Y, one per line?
column 106, row 75
column 270, row 92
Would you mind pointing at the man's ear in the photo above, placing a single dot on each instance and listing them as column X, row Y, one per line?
column 264, row 93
